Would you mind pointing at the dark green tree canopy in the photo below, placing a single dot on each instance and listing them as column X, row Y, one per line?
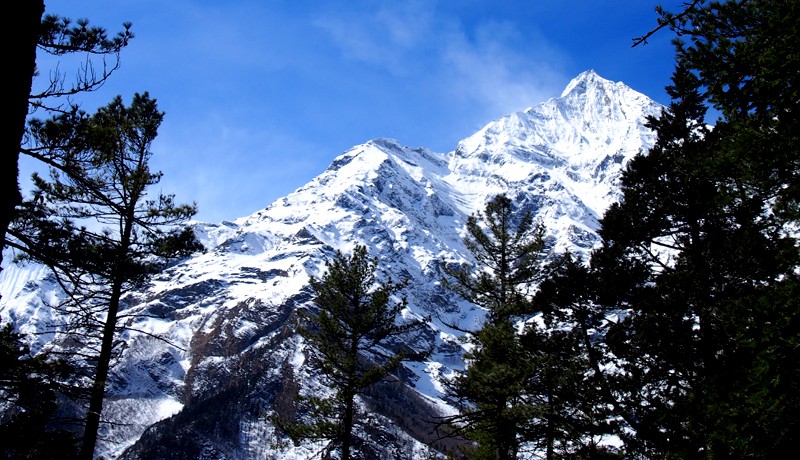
column 351, row 335
column 29, row 389
column 106, row 183
column 61, row 36
column 96, row 222
column 57, row 36
column 356, row 314
column 699, row 254
column 508, row 248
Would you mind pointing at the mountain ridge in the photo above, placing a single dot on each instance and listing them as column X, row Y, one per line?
column 233, row 359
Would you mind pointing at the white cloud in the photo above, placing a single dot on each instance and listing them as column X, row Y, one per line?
column 386, row 37
column 492, row 67
column 499, row 77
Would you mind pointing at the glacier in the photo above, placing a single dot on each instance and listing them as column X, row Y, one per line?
column 215, row 355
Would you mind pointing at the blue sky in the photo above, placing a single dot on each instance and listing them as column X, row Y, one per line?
column 260, row 96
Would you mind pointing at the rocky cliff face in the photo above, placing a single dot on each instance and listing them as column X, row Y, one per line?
column 218, row 355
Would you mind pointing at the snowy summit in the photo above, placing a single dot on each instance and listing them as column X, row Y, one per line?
column 232, row 359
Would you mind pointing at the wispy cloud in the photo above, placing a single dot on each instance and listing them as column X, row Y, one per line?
column 480, row 65
column 390, row 36
column 490, row 71
column 260, row 96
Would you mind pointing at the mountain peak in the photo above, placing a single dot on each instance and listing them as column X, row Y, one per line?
column 234, row 305
column 583, row 81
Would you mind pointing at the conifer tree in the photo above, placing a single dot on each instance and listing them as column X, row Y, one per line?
column 671, row 215
column 701, row 253
column 743, row 56
column 357, row 319
column 58, row 36
column 29, row 390
column 492, row 389
column 570, row 379
column 102, row 231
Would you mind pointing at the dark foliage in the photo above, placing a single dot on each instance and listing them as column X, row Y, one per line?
column 95, row 223
column 571, row 357
column 351, row 336
column 58, row 36
column 493, row 389
column 700, row 256
column 29, row 390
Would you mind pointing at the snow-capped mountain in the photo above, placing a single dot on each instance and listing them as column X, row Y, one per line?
column 232, row 360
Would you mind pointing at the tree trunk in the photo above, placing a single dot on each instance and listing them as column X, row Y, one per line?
column 347, row 426
column 98, row 391
column 505, row 435
column 18, row 71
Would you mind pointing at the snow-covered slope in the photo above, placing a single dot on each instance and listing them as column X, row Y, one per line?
column 232, row 360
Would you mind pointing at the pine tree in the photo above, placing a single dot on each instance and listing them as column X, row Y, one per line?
column 743, row 55
column 349, row 335
column 101, row 230
column 508, row 249
column 571, row 358
column 57, row 36
column 29, row 389
column 671, row 216
column 701, row 253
